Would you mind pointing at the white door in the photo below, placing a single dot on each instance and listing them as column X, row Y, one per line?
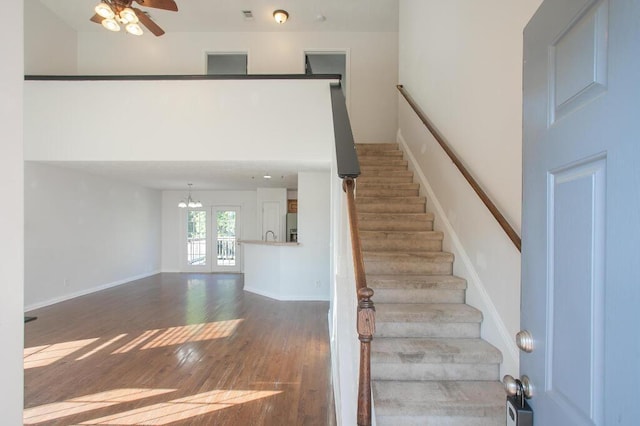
column 581, row 212
column 210, row 239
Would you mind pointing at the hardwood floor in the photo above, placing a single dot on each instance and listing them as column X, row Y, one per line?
column 179, row 349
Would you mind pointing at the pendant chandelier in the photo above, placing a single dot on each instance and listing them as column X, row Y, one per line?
column 183, row 204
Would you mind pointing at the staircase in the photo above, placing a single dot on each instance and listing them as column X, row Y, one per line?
column 429, row 365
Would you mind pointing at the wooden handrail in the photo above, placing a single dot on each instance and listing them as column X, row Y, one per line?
column 366, row 309
column 506, row 226
column 348, row 168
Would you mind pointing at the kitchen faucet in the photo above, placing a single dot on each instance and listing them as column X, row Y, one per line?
column 266, row 235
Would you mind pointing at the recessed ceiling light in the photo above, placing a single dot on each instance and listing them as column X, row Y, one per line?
column 267, row 176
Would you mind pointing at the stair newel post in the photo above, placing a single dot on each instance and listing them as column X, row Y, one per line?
column 366, row 329
column 366, row 310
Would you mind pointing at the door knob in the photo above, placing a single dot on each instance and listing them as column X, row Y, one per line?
column 514, row 387
column 524, row 340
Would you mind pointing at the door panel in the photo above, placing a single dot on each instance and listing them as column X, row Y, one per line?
column 581, row 198
column 196, row 244
column 226, row 239
column 575, row 289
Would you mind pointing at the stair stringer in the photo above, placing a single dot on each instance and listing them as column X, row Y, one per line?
column 493, row 328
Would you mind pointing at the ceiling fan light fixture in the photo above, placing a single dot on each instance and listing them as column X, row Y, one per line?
column 129, row 15
column 134, row 29
column 110, row 24
column 104, row 10
column 280, row 16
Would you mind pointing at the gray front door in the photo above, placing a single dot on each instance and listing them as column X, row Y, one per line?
column 581, row 212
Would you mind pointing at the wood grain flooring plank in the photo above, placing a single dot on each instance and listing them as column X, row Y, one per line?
column 180, row 349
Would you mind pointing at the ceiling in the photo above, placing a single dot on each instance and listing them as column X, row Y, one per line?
column 226, row 15
column 204, row 175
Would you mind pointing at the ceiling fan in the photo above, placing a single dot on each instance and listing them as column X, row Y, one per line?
column 113, row 13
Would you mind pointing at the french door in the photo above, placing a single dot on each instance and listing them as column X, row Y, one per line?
column 210, row 239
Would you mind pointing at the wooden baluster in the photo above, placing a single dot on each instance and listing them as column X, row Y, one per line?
column 366, row 329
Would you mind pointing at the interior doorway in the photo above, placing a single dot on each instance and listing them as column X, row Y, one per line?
column 329, row 62
column 210, row 242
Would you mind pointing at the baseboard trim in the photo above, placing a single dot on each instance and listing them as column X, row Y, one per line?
column 287, row 298
column 492, row 319
column 84, row 292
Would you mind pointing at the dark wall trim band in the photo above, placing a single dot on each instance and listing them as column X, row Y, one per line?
column 184, row 77
column 346, row 155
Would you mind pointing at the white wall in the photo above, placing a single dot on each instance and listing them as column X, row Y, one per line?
column 297, row 272
column 84, row 233
column 258, row 120
column 50, row 45
column 309, row 265
column 462, row 63
column 11, row 213
column 171, row 223
column 372, row 63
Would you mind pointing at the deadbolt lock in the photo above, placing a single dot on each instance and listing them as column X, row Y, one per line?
column 524, row 340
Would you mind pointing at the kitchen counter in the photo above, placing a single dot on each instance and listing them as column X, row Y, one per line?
column 268, row 243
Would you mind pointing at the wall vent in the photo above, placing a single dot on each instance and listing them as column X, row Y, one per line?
column 248, row 15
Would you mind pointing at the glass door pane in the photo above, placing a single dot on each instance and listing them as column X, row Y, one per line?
column 226, row 240
column 197, row 238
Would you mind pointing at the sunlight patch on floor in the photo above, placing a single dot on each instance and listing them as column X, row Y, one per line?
column 102, row 346
column 40, row 356
column 182, row 408
column 135, row 342
column 56, row 410
column 194, row 333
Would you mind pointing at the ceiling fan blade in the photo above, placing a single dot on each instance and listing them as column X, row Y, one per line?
column 159, row 4
column 96, row 18
column 147, row 22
